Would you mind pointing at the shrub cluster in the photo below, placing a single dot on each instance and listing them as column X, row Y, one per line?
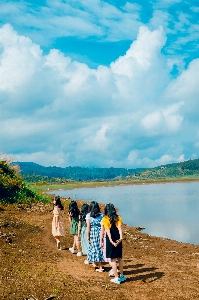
column 13, row 189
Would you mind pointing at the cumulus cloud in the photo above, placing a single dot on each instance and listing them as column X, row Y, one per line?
column 19, row 60
column 57, row 111
column 167, row 120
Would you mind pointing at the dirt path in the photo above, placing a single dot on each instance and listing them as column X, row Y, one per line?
column 32, row 267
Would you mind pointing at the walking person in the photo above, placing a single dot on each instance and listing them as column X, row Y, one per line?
column 113, row 227
column 73, row 213
column 93, row 219
column 58, row 229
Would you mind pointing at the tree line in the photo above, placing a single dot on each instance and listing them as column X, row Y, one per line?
column 33, row 172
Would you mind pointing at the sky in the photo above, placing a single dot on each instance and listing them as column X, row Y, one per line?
column 96, row 83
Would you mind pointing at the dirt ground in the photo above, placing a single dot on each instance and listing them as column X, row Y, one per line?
column 32, row 267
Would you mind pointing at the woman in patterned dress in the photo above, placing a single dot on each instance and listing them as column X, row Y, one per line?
column 58, row 229
column 93, row 221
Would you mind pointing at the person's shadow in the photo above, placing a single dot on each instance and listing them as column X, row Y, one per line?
column 138, row 270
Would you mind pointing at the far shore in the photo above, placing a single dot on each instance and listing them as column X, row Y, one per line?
column 109, row 183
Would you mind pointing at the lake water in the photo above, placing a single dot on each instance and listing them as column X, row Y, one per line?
column 169, row 210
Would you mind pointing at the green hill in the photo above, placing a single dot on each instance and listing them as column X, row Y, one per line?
column 33, row 172
column 189, row 168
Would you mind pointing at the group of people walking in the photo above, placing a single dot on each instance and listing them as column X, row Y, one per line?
column 96, row 235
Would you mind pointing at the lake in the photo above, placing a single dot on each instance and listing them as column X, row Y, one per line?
column 169, row 210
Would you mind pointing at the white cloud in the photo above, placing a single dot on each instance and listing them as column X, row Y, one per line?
column 131, row 7
column 43, row 158
column 166, row 3
column 99, row 142
column 186, row 88
column 78, row 19
column 159, row 18
column 134, row 159
column 60, row 112
column 141, row 52
column 19, row 60
column 164, row 121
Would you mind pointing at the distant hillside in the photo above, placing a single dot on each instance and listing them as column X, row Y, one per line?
column 183, row 169
column 33, row 172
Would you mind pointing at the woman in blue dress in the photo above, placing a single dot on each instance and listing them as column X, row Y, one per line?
column 93, row 221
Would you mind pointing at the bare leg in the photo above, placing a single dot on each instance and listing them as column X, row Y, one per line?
column 58, row 240
column 76, row 243
column 114, row 266
column 120, row 265
column 99, row 265
column 73, row 243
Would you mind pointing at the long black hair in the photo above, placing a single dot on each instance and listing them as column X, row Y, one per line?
column 110, row 211
column 94, row 209
column 58, row 203
column 73, row 209
column 84, row 211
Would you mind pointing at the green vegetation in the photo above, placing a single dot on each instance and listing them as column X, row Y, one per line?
column 33, row 172
column 45, row 178
column 184, row 170
column 13, row 188
column 24, row 188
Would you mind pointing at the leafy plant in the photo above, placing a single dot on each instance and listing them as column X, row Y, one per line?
column 13, row 189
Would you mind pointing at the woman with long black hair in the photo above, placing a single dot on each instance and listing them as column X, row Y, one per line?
column 58, row 229
column 112, row 223
column 93, row 220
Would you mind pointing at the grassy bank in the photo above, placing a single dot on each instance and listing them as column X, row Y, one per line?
column 92, row 184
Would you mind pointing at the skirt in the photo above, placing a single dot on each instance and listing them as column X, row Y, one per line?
column 84, row 242
column 104, row 250
column 112, row 251
column 95, row 253
column 60, row 230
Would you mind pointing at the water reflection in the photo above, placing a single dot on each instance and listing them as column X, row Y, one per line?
column 169, row 210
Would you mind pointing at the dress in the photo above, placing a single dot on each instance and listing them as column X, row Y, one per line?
column 112, row 251
column 60, row 231
column 74, row 225
column 95, row 252
column 104, row 250
column 84, row 242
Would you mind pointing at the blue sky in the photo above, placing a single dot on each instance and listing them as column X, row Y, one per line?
column 99, row 83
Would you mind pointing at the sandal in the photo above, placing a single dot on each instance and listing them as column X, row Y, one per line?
column 100, row 270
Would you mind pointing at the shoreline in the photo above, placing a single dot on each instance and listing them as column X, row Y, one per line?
column 96, row 184
column 173, row 237
column 135, row 228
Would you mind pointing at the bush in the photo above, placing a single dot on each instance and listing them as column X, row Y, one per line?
column 13, row 189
